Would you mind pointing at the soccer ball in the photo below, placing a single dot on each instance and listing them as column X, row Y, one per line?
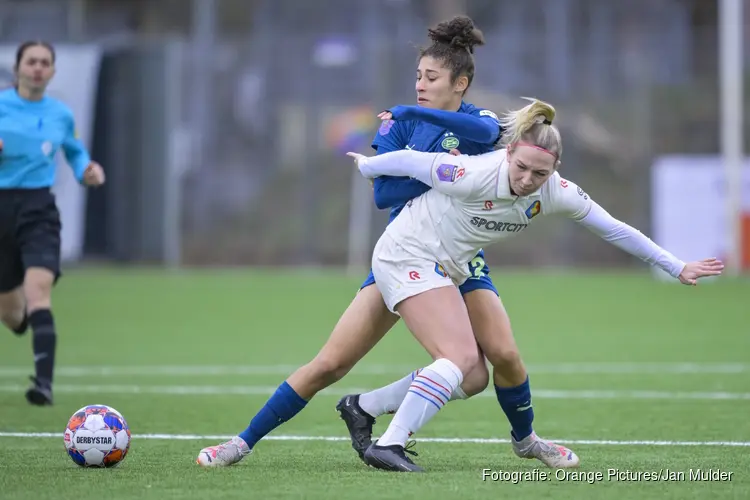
column 97, row 436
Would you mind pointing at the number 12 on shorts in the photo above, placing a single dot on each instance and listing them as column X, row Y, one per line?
column 476, row 266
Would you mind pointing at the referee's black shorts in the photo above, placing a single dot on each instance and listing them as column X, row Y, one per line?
column 29, row 234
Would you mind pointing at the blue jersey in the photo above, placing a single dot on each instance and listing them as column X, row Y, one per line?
column 471, row 130
column 32, row 132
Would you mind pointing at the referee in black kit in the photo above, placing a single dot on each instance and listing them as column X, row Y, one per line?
column 33, row 128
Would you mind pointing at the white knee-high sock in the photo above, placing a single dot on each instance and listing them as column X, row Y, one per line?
column 387, row 399
column 427, row 393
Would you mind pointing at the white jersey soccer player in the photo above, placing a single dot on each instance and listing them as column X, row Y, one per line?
column 471, row 206
column 475, row 201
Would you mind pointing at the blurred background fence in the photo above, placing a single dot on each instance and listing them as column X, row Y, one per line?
column 223, row 123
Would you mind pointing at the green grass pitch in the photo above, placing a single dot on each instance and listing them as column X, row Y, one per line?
column 635, row 374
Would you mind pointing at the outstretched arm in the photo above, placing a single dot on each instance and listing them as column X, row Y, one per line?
column 629, row 239
column 570, row 200
column 484, row 129
column 457, row 176
column 404, row 163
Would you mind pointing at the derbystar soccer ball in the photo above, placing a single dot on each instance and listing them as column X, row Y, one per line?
column 97, row 436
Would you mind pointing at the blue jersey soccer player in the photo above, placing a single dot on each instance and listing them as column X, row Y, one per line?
column 441, row 122
column 33, row 127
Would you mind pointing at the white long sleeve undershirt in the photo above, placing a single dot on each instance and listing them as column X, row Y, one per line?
column 404, row 163
column 629, row 239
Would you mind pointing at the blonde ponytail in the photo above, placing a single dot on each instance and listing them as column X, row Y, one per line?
column 532, row 124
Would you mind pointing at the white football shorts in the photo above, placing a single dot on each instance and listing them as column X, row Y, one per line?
column 400, row 274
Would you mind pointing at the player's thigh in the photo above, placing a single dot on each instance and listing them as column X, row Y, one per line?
column 492, row 328
column 420, row 291
column 362, row 325
column 489, row 319
column 38, row 238
column 439, row 321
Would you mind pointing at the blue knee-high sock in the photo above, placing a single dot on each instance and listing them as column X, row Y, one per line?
column 282, row 406
column 516, row 403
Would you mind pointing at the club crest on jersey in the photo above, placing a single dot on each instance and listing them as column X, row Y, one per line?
column 533, row 209
column 449, row 173
column 440, row 270
column 450, row 142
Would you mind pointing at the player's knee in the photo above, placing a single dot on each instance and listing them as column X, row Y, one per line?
column 465, row 358
column 477, row 379
column 505, row 357
column 37, row 287
column 327, row 370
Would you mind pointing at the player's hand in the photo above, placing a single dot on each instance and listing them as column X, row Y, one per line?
column 700, row 269
column 358, row 160
column 357, row 157
column 93, row 175
column 455, row 152
column 385, row 116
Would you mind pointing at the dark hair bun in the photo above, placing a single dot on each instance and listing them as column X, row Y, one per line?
column 458, row 32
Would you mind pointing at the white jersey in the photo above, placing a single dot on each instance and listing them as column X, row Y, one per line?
column 471, row 207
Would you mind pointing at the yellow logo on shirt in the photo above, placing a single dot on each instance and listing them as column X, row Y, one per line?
column 534, row 210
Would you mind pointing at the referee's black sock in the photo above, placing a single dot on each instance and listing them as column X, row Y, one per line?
column 45, row 340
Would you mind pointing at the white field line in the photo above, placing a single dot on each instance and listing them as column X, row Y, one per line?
column 218, row 390
column 197, row 437
column 286, row 369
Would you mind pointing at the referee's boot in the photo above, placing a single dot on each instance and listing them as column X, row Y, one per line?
column 40, row 393
column 358, row 421
column 391, row 458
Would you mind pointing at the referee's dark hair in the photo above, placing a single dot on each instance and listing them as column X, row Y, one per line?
column 21, row 50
